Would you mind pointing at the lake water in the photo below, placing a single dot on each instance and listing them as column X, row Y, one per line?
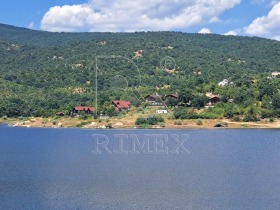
column 58, row 169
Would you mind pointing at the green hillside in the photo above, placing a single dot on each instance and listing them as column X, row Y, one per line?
column 44, row 72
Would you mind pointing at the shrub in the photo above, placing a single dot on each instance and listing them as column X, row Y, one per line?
column 54, row 122
column 276, row 101
column 208, row 116
column 144, row 126
column 229, row 113
column 270, row 114
column 183, row 113
column 178, row 122
column 250, row 118
column 44, row 121
column 83, row 117
column 199, row 122
column 150, row 120
column 108, row 125
column 141, row 121
column 236, row 119
column 154, row 119
column 162, row 124
column 267, row 113
column 179, row 113
column 82, row 124
column 199, row 102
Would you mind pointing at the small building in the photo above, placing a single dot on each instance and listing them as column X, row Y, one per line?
column 161, row 111
column 172, row 99
column 212, row 98
column 223, row 83
column 172, row 95
column 138, row 53
column 83, row 110
column 103, row 117
column 121, row 105
column 154, row 100
column 275, row 74
column 60, row 114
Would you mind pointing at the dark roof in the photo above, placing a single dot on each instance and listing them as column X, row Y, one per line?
column 175, row 95
column 212, row 96
column 153, row 96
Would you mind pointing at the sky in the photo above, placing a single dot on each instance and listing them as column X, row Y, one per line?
column 229, row 17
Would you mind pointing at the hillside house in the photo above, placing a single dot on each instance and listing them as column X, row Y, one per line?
column 138, row 54
column 172, row 99
column 172, row 95
column 83, row 110
column 212, row 98
column 275, row 74
column 223, row 83
column 121, row 105
column 60, row 114
column 154, row 100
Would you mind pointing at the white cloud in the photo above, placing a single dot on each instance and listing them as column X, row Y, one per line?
column 267, row 26
column 266, row 2
column 31, row 25
column 233, row 33
column 66, row 18
column 276, row 38
column 205, row 31
column 215, row 20
column 140, row 15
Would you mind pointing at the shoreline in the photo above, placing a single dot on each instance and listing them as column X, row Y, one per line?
column 128, row 123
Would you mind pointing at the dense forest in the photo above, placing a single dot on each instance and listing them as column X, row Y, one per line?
column 42, row 73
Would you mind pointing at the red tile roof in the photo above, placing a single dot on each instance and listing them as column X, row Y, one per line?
column 84, row 108
column 122, row 104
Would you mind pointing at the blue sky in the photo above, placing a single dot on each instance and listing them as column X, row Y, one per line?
column 231, row 17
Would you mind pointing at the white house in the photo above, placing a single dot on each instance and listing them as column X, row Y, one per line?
column 223, row 83
column 275, row 74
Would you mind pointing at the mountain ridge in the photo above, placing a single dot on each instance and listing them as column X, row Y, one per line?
column 54, row 66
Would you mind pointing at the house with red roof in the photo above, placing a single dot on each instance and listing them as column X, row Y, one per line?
column 83, row 110
column 121, row 105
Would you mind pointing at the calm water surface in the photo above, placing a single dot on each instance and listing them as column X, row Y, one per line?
column 56, row 169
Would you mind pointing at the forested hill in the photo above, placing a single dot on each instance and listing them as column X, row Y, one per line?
column 45, row 72
column 34, row 37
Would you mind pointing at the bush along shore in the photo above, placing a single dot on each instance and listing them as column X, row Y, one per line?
column 139, row 120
